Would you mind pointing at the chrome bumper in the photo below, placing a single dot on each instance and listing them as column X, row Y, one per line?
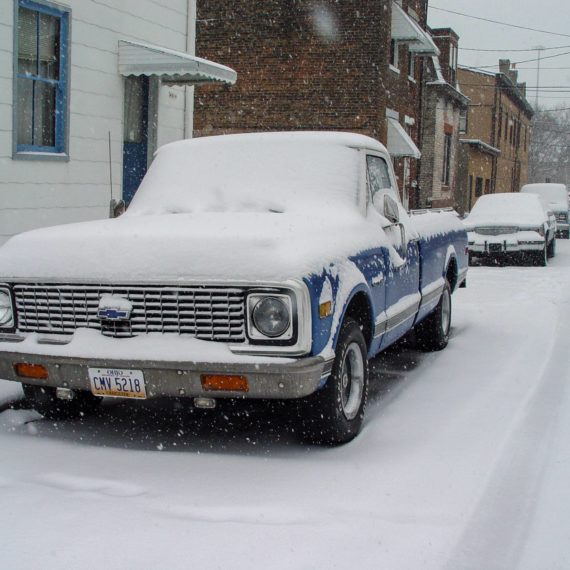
column 502, row 248
column 295, row 379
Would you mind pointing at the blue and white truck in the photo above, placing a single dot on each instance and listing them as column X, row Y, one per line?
column 268, row 266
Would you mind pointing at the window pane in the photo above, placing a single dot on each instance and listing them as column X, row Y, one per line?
column 25, row 111
column 44, row 114
column 134, row 105
column 49, row 47
column 378, row 174
column 27, row 41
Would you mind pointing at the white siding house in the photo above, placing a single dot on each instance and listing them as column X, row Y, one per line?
column 88, row 90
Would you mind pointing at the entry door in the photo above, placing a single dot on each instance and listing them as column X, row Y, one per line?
column 135, row 134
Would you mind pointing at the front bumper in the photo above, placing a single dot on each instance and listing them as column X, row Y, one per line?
column 279, row 378
column 491, row 245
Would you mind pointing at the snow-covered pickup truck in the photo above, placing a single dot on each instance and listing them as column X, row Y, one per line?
column 268, row 266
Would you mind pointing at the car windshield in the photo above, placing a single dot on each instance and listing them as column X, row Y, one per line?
column 262, row 173
column 509, row 208
column 550, row 194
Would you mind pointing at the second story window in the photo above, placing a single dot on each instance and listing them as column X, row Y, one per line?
column 411, row 64
column 453, row 64
column 40, row 90
column 446, row 172
column 394, row 54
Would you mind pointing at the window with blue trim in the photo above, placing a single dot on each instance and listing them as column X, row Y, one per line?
column 41, row 81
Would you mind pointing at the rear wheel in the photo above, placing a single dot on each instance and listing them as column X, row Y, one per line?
column 433, row 332
column 45, row 402
column 334, row 414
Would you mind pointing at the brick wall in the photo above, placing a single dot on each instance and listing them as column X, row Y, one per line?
column 299, row 66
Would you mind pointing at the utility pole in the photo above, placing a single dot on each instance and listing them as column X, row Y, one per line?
column 539, row 50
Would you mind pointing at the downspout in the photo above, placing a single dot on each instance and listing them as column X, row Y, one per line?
column 497, row 105
column 191, row 49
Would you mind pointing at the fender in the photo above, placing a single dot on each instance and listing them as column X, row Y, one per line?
column 340, row 312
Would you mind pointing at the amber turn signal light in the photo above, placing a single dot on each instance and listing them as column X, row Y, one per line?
column 224, row 383
column 36, row 371
column 325, row 309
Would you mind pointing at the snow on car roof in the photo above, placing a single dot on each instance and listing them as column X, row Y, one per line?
column 258, row 172
column 507, row 208
column 550, row 193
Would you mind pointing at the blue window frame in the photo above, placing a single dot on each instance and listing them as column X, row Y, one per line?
column 41, row 78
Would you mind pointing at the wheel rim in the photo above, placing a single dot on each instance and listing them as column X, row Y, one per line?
column 352, row 381
column 445, row 312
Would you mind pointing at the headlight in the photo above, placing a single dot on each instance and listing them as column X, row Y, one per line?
column 6, row 310
column 270, row 316
column 538, row 229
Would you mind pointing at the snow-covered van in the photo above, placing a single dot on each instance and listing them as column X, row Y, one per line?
column 554, row 197
column 268, row 266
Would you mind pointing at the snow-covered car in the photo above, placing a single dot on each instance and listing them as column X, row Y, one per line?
column 268, row 266
column 511, row 225
column 553, row 197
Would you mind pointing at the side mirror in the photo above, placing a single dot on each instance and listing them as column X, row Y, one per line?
column 391, row 211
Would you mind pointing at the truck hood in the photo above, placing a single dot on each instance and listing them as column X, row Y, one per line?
column 188, row 247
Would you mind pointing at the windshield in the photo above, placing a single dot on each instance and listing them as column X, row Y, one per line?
column 548, row 193
column 512, row 208
column 262, row 173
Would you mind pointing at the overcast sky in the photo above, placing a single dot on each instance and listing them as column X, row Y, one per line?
column 551, row 15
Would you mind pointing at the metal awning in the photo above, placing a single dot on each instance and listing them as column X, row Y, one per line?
column 406, row 30
column 399, row 141
column 173, row 67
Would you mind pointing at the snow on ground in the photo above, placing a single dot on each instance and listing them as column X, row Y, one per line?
column 463, row 462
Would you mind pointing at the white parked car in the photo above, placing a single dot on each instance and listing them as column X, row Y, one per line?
column 511, row 225
column 554, row 197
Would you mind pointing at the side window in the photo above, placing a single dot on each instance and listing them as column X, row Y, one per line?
column 378, row 175
column 40, row 84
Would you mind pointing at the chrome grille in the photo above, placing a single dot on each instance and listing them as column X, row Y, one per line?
column 561, row 217
column 207, row 313
column 496, row 230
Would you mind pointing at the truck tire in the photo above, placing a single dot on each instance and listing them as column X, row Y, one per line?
column 540, row 258
column 45, row 402
column 551, row 250
column 334, row 414
column 433, row 332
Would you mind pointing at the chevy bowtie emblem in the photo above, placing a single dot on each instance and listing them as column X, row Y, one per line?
column 114, row 308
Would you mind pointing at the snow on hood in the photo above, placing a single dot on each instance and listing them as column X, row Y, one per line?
column 511, row 209
column 188, row 247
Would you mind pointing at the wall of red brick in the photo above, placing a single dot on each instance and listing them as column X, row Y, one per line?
column 298, row 66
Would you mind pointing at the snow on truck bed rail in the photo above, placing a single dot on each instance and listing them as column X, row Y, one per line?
column 432, row 223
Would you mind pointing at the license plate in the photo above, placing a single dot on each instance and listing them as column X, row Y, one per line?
column 117, row 382
column 495, row 247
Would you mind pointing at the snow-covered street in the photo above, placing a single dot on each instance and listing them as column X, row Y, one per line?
column 463, row 462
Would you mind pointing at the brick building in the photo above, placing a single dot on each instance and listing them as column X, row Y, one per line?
column 495, row 146
column 442, row 109
column 351, row 66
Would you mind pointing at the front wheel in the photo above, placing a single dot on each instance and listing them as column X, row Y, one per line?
column 334, row 414
column 44, row 400
column 433, row 332
column 541, row 257
column 551, row 249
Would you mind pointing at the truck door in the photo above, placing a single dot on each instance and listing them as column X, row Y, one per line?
column 402, row 276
